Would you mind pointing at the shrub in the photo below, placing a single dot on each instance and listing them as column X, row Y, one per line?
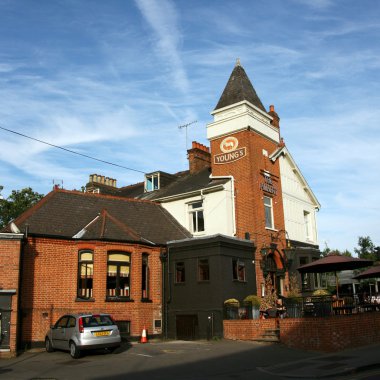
column 253, row 300
column 321, row 292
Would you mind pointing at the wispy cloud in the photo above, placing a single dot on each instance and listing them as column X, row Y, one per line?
column 163, row 19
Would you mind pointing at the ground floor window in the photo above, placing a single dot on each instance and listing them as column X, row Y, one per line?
column 85, row 274
column 118, row 275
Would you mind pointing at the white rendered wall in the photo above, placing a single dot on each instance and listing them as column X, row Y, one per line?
column 217, row 209
column 240, row 116
column 296, row 201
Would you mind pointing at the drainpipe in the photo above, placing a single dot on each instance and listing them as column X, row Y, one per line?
column 233, row 197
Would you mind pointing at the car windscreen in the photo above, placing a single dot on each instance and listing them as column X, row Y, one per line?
column 97, row 320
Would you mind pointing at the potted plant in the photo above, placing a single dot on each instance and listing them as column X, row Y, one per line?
column 231, row 306
column 254, row 302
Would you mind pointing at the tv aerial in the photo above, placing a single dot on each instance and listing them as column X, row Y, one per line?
column 186, row 126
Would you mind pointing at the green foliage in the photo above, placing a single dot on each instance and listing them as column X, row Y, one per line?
column 328, row 252
column 321, row 292
column 232, row 302
column 18, row 202
column 366, row 249
column 253, row 300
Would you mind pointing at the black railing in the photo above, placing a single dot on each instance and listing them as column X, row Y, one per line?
column 312, row 306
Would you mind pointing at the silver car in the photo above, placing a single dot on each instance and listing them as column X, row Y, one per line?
column 78, row 332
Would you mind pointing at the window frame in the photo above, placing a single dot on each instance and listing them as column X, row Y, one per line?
column 195, row 215
column 201, row 272
column 145, row 277
column 236, row 263
column 270, row 208
column 307, row 222
column 118, row 263
column 179, row 279
column 88, row 295
column 154, row 180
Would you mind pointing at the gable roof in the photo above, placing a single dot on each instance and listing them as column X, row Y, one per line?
column 283, row 151
column 239, row 88
column 76, row 215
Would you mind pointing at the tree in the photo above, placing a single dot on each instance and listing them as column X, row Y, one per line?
column 328, row 252
column 367, row 249
column 18, row 202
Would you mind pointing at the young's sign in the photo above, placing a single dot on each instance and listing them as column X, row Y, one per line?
column 231, row 152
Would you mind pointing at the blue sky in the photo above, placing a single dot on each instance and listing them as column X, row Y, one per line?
column 114, row 80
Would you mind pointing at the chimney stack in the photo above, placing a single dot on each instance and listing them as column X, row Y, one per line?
column 199, row 157
column 276, row 119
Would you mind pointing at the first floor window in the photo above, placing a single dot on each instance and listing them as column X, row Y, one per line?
column 118, row 274
column 306, row 217
column 85, row 274
column 179, row 272
column 145, row 277
column 268, row 207
column 203, row 270
column 197, row 223
column 238, row 270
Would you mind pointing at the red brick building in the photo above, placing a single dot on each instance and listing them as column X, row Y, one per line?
column 84, row 253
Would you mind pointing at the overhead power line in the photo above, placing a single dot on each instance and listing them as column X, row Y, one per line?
column 70, row 151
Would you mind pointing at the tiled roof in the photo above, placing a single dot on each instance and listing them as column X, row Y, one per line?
column 239, row 88
column 186, row 184
column 66, row 214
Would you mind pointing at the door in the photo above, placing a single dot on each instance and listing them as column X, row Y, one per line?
column 5, row 320
column 187, row 327
column 58, row 333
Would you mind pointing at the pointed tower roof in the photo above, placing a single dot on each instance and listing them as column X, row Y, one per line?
column 239, row 88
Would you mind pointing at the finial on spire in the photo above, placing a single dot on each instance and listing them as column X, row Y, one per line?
column 237, row 62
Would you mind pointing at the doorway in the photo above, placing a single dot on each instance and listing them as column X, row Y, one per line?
column 187, row 327
column 5, row 320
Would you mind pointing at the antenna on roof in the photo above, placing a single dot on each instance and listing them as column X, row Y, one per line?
column 185, row 126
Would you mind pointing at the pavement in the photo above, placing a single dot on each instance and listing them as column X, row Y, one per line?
column 335, row 365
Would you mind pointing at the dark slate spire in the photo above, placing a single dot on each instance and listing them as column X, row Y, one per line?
column 239, row 88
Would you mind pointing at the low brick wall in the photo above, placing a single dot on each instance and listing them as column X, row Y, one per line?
column 328, row 334
column 247, row 329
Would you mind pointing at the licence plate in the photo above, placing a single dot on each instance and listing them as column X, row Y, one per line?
column 101, row 333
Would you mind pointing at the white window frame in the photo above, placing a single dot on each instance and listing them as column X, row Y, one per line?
column 270, row 207
column 307, row 222
column 152, row 178
column 196, row 210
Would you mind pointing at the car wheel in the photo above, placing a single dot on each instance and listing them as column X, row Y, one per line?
column 74, row 350
column 48, row 345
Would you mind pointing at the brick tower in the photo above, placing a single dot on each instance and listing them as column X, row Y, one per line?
column 242, row 138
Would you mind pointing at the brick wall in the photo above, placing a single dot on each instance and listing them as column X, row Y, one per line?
column 50, row 285
column 328, row 334
column 10, row 251
column 247, row 329
column 248, row 175
column 331, row 334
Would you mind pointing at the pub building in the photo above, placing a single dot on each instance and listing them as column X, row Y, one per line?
column 167, row 252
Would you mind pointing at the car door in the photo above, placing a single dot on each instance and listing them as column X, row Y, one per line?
column 58, row 332
column 69, row 332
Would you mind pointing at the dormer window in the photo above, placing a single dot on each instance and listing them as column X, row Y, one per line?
column 152, row 182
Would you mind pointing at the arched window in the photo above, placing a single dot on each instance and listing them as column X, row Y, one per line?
column 145, row 287
column 118, row 275
column 85, row 273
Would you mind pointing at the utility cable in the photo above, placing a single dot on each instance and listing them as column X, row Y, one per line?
column 70, row 151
